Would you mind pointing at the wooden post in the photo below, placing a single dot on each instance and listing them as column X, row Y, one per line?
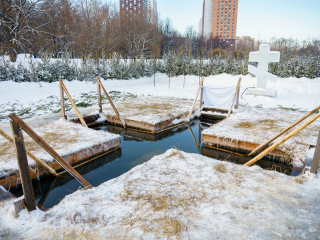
column 201, row 95
column 99, row 97
column 316, row 158
column 37, row 160
column 72, row 103
column 195, row 100
column 262, row 146
column 53, row 153
column 288, row 136
column 234, row 97
column 19, row 204
column 63, row 110
column 237, row 102
column 112, row 105
column 23, row 166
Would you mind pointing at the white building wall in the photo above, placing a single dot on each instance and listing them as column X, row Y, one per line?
column 150, row 8
column 200, row 27
column 207, row 18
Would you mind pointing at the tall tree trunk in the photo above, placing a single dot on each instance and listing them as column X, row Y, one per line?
column 12, row 55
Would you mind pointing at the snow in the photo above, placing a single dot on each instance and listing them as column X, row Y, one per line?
column 64, row 137
column 178, row 195
column 292, row 92
column 257, row 125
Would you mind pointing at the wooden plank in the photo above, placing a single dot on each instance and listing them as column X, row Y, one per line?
column 63, row 109
column 72, row 103
column 234, row 96
column 19, row 204
column 23, row 166
column 50, row 150
column 37, row 160
column 316, row 157
column 112, row 105
column 99, row 97
column 263, row 145
column 195, row 100
column 288, row 136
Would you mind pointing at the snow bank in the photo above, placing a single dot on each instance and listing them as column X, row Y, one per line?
column 179, row 196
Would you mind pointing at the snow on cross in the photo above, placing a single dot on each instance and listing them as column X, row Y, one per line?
column 263, row 57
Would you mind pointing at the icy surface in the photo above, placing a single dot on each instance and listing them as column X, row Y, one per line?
column 63, row 136
column 179, row 196
column 257, row 125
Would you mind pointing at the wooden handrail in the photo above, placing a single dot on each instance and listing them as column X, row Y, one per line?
column 234, row 96
column 112, row 105
column 50, row 150
column 195, row 100
column 263, row 145
column 37, row 160
column 288, row 136
column 72, row 103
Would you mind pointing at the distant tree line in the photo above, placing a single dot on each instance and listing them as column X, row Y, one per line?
column 92, row 29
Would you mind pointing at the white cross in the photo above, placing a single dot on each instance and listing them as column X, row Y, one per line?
column 263, row 57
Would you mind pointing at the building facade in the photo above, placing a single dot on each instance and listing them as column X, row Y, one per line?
column 219, row 19
column 147, row 8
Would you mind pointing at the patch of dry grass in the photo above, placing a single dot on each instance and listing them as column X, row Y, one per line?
column 54, row 139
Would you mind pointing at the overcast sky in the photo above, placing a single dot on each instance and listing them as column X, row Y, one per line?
column 280, row 18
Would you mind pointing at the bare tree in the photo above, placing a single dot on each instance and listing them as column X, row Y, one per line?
column 19, row 20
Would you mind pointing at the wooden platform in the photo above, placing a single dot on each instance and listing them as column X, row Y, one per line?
column 72, row 141
column 151, row 114
column 249, row 127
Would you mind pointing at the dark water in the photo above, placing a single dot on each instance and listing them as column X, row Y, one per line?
column 136, row 149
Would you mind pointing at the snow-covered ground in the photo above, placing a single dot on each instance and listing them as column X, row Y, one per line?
column 178, row 195
column 175, row 195
column 31, row 99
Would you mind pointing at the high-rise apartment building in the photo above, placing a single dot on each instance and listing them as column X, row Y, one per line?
column 219, row 19
column 147, row 8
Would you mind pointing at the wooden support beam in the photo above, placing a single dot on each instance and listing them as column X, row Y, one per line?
column 37, row 160
column 63, row 109
column 316, row 158
column 50, row 150
column 72, row 103
column 263, row 145
column 238, row 98
column 23, row 166
column 112, row 105
column 288, row 136
column 234, row 96
column 99, row 97
column 195, row 100
column 201, row 95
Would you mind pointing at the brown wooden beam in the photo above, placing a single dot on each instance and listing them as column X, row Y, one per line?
column 23, row 166
column 50, row 150
column 316, row 157
column 112, row 105
column 72, row 103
